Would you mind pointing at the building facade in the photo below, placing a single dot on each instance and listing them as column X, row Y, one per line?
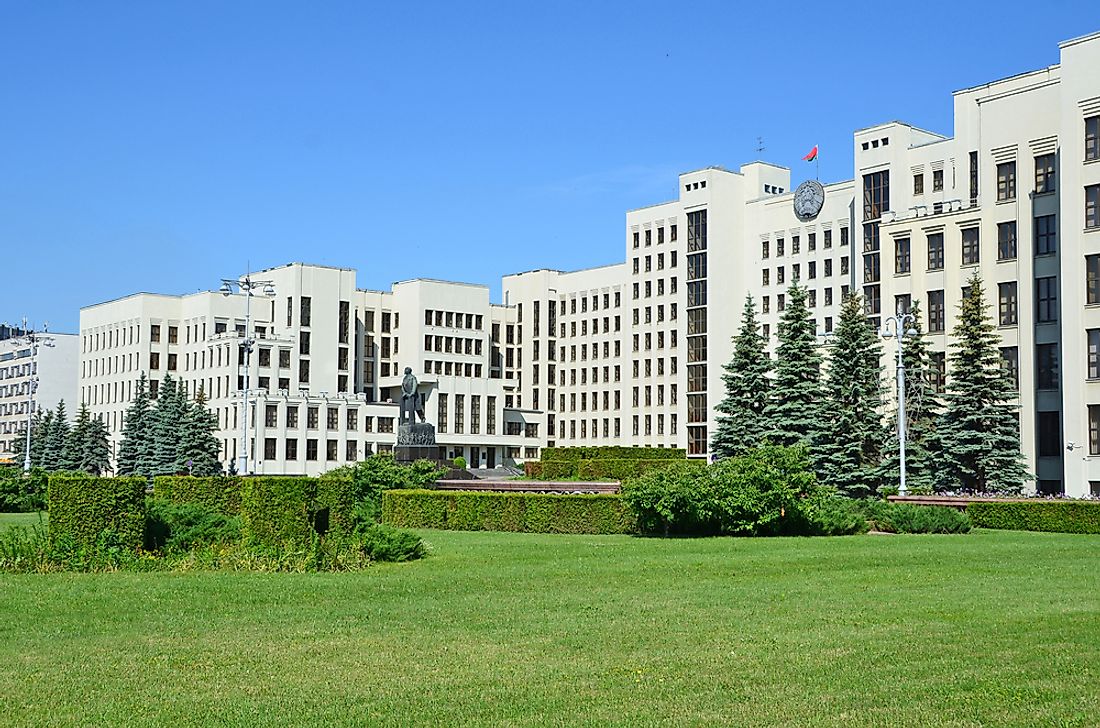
column 53, row 367
column 633, row 353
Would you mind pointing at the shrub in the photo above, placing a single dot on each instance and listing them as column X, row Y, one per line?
column 835, row 516
column 762, row 492
column 385, row 543
column 524, row 512
column 1055, row 516
column 378, row 473
column 909, row 518
column 616, row 452
column 19, row 493
column 83, row 508
column 460, row 462
column 219, row 492
column 675, row 499
column 174, row 527
column 277, row 510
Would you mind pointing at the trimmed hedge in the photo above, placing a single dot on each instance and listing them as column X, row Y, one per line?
column 221, row 493
column 615, row 452
column 277, row 510
column 1054, row 516
column 338, row 493
column 522, row 512
column 82, row 508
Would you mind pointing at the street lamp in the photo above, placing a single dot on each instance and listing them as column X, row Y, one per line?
column 902, row 327
column 248, row 286
column 34, row 339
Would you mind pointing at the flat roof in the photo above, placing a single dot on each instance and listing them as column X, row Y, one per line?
column 988, row 84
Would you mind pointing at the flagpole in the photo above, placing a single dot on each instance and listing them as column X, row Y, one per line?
column 817, row 163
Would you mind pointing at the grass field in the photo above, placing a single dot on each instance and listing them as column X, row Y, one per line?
column 9, row 520
column 993, row 628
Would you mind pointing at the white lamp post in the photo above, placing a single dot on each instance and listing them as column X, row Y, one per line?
column 248, row 287
column 902, row 327
column 35, row 339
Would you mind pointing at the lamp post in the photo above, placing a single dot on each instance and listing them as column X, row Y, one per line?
column 248, row 286
column 902, row 327
column 34, row 339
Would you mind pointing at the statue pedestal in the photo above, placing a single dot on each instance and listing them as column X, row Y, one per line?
column 416, row 441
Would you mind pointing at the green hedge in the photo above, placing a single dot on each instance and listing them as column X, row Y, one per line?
column 524, row 512
column 617, row 468
column 221, row 493
column 277, row 510
column 338, row 493
column 615, row 452
column 82, row 508
column 1056, row 516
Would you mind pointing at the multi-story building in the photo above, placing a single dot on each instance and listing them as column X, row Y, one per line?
column 54, row 367
column 633, row 353
column 326, row 369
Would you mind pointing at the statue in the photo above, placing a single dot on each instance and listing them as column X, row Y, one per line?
column 412, row 404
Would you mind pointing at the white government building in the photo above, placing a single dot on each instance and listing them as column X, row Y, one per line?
column 632, row 353
column 52, row 368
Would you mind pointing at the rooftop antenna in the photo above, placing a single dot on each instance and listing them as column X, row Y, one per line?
column 759, row 144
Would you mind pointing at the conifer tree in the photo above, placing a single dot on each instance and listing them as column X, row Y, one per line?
column 741, row 424
column 55, row 451
column 794, row 408
column 848, row 448
column 199, row 444
column 136, row 445
column 978, row 434
column 168, row 426
column 40, row 429
column 96, row 455
column 78, row 441
column 922, row 408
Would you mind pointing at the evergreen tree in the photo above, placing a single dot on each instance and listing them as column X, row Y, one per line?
column 199, row 445
column 40, row 429
column 136, row 444
column 168, row 427
column 741, row 424
column 96, row 455
column 922, row 408
column 848, row 448
column 54, row 453
column 793, row 413
column 78, row 440
column 978, row 433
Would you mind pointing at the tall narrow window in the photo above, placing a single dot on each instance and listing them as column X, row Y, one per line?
column 1046, row 299
column 901, row 255
column 1093, row 353
column 1092, row 279
column 935, row 251
column 937, row 180
column 1006, row 240
column 935, row 311
column 1010, row 364
column 1008, row 307
column 1044, row 173
column 1092, row 138
column 1092, row 206
column 1046, row 366
column 973, row 178
column 1006, row 181
column 1046, row 235
column 1094, row 425
column 970, row 246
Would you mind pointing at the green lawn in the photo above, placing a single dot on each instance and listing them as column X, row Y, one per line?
column 8, row 520
column 993, row 628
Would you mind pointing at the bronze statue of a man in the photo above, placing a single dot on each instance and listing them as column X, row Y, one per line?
column 412, row 404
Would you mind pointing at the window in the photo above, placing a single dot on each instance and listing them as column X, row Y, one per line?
column 1092, row 206
column 306, row 308
column 937, row 180
column 1044, row 173
column 1008, row 309
column 441, row 413
column 1010, row 364
column 935, row 251
column 901, row 255
column 291, row 450
column 1006, row 181
column 697, row 231
column 1046, row 299
column 1006, row 240
column 918, row 184
column 154, row 333
column 973, row 178
column 311, row 449
column 935, row 311
column 154, row 360
column 1092, row 279
column 269, row 448
column 1094, row 427
column 1046, row 235
column 1049, row 426
column 876, row 194
column 1046, row 366
column 1092, row 143
column 271, row 415
column 764, row 249
column 970, row 246
column 1093, row 353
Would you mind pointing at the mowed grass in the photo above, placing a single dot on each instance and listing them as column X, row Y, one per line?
column 992, row 628
column 11, row 520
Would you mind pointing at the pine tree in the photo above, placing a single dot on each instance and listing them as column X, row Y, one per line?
column 978, row 434
column 848, row 448
column 136, row 444
column 78, row 440
column 54, row 453
column 199, row 445
column 741, row 424
column 922, row 408
column 793, row 413
column 40, row 429
column 168, row 427
column 96, row 456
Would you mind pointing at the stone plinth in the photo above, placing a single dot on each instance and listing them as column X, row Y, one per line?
column 416, row 441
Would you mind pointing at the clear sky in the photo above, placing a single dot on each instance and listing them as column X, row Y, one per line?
column 160, row 146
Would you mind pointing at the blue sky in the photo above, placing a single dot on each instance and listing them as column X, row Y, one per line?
column 161, row 146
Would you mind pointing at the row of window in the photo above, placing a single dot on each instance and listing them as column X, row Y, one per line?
column 612, row 427
column 796, row 243
column 453, row 319
column 672, row 262
column 796, row 271
column 607, row 327
column 660, row 234
column 694, row 270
